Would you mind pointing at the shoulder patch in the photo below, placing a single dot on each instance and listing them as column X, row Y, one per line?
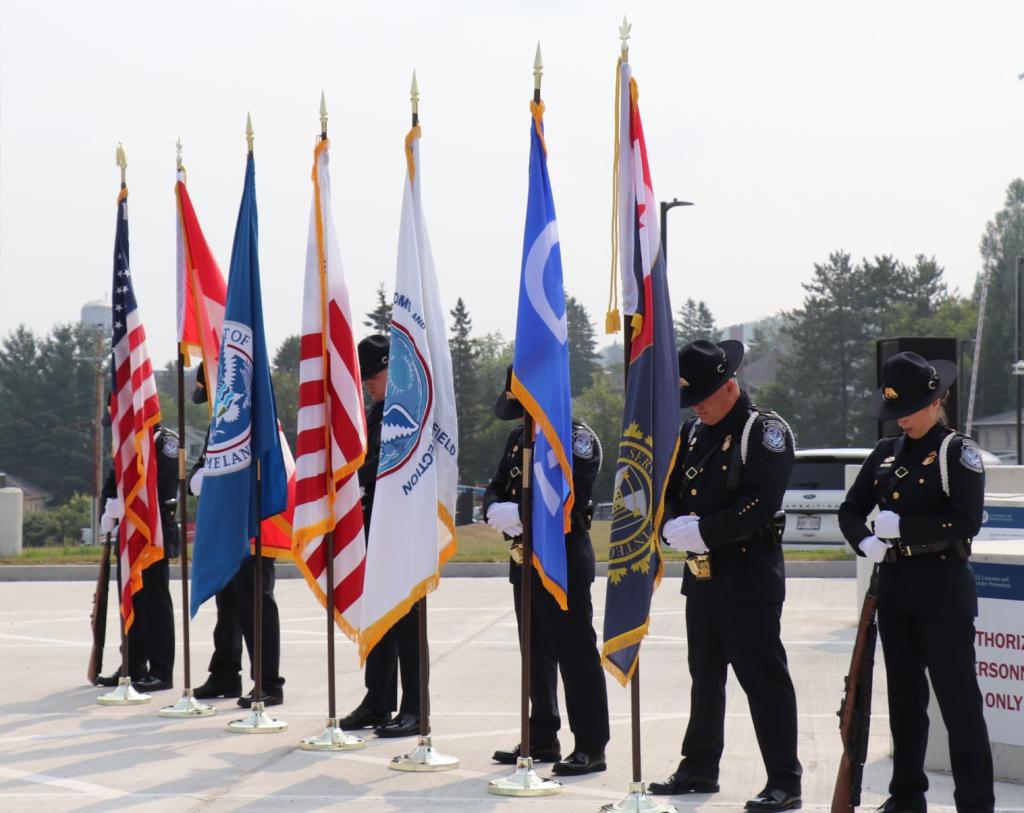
column 774, row 438
column 583, row 442
column 970, row 456
column 170, row 447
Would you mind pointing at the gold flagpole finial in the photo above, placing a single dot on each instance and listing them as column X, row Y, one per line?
column 624, row 36
column 177, row 146
column 414, row 97
column 538, row 70
column 249, row 132
column 323, row 116
column 122, row 161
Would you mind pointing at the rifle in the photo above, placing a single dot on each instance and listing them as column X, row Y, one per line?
column 98, row 618
column 855, row 707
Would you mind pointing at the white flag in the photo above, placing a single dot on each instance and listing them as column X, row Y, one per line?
column 412, row 533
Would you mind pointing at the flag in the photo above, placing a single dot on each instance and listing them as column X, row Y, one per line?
column 540, row 370
column 650, row 424
column 412, row 533
column 202, row 296
column 244, row 441
column 135, row 410
column 331, row 440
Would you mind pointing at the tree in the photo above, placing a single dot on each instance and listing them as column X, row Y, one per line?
column 380, row 317
column 694, row 321
column 601, row 407
column 1001, row 244
column 464, row 354
column 284, row 375
column 484, row 436
column 583, row 355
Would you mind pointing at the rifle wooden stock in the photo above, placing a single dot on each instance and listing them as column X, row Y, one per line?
column 99, row 614
column 855, row 707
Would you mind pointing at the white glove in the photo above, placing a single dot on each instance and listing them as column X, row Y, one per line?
column 874, row 548
column 515, row 530
column 195, row 485
column 671, row 530
column 107, row 523
column 887, row 525
column 690, row 539
column 504, row 517
column 112, row 512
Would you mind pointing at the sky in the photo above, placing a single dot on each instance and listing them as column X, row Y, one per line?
column 797, row 128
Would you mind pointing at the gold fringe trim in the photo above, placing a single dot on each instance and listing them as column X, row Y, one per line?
column 347, row 629
column 553, row 587
column 631, row 638
column 412, row 135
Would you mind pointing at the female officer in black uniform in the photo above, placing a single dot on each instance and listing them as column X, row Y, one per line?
column 929, row 485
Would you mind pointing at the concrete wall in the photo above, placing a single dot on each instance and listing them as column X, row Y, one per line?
column 10, row 521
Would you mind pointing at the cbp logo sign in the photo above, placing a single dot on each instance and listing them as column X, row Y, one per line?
column 409, row 398
column 230, row 445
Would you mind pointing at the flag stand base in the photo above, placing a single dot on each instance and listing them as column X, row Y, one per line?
column 637, row 801
column 524, row 782
column 123, row 695
column 424, row 758
column 257, row 721
column 188, row 706
column 332, row 738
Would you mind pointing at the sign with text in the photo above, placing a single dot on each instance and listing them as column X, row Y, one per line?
column 999, row 644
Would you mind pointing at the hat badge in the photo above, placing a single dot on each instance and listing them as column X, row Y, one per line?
column 890, row 394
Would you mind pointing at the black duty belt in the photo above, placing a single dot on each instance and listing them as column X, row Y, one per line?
column 901, row 550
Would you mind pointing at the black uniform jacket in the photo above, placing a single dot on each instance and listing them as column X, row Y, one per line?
column 166, row 443
column 746, row 565
column 368, row 471
column 930, row 584
column 507, row 484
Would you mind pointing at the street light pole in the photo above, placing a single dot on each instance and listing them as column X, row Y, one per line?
column 665, row 206
column 1017, row 365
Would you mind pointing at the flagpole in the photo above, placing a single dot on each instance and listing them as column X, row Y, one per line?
column 187, row 705
column 125, row 694
column 257, row 721
column 333, row 737
column 637, row 799
column 525, row 781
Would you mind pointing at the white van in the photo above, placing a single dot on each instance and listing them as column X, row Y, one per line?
column 815, row 491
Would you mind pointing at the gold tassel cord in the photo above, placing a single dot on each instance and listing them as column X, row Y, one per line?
column 612, row 322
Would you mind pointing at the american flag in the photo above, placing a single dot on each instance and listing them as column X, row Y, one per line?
column 331, row 442
column 135, row 410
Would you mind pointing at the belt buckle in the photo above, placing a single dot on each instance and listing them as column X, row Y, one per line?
column 515, row 551
column 691, row 473
column 700, row 566
column 904, row 549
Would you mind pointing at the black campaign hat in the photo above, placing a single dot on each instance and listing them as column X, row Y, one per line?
column 199, row 393
column 373, row 355
column 508, row 408
column 909, row 384
column 705, row 366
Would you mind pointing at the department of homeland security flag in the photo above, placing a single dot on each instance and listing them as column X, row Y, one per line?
column 135, row 410
column 202, row 297
column 331, row 439
column 540, row 370
column 412, row 533
column 244, row 435
column 650, row 425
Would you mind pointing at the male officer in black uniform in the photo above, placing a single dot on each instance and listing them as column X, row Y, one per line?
column 730, row 475
column 151, row 636
column 398, row 651
column 929, row 483
column 560, row 640
column 235, row 615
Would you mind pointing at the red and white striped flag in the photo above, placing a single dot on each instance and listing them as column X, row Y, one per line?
column 331, row 442
column 135, row 410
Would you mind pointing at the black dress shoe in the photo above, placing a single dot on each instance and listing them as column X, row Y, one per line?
column 771, row 800
column 109, row 680
column 682, row 781
column 579, row 763
column 218, row 688
column 363, row 717
column 270, row 697
column 404, row 725
column 546, row 752
column 151, row 683
column 895, row 805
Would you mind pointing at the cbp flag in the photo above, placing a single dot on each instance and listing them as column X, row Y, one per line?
column 540, row 370
column 243, row 434
column 650, row 425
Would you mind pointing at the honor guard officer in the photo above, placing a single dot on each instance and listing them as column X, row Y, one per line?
column 151, row 637
column 723, row 496
column 235, row 614
column 398, row 652
column 929, row 484
column 560, row 640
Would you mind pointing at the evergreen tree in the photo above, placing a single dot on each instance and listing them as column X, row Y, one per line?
column 583, row 355
column 284, row 375
column 694, row 321
column 464, row 376
column 601, row 407
column 380, row 317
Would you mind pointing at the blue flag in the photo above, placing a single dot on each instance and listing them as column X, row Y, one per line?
column 243, row 438
column 650, row 424
column 540, row 371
